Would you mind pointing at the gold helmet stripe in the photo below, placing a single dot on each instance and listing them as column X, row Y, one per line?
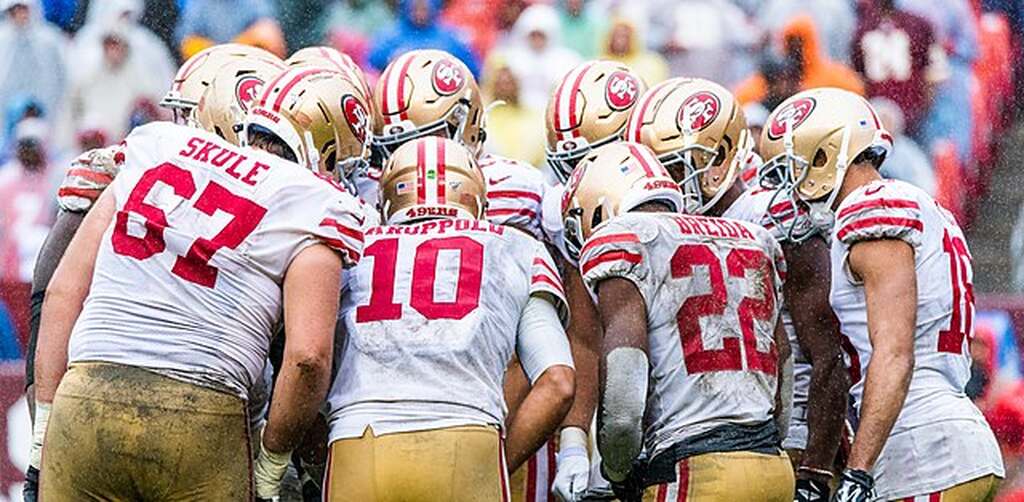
column 636, row 119
column 566, row 121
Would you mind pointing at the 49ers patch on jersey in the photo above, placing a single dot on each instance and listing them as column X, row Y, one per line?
column 699, row 111
column 448, row 77
column 792, row 115
column 622, row 90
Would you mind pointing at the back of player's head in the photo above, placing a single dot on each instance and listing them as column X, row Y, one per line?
column 427, row 93
column 319, row 115
column 612, row 180
column 429, row 178
column 587, row 109
column 233, row 90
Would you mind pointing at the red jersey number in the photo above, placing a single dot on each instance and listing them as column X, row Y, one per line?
column 194, row 266
column 729, row 358
column 382, row 305
column 960, row 323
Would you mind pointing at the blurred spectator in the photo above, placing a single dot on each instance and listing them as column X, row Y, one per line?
column 106, row 90
column 207, row 22
column 756, row 115
column 836, row 21
column 478, row 20
column 536, row 55
column 26, row 202
column 893, row 50
column 364, row 17
column 622, row 43
column 31, row 55
column 581, row 27
column 950, row 116
column 61, row 13
column 801, row 48
column 710, row 39
column 123, row 17
column 417, row 27
column 781, row 80
column 512, row 128
column 907, row 161
column 301, row 22
column 18, row 108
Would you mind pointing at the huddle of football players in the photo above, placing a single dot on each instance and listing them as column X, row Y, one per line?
column 301, row 272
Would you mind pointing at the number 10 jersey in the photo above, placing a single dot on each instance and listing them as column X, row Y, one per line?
column 712, row 288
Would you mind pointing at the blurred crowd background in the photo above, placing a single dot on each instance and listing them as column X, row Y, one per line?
column 946, row 77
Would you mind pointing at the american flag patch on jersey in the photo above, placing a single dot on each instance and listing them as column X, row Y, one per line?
column 402, row 188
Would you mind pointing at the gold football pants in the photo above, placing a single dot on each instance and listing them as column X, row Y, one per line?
column 728, row 477
column 123, row 433
column 452, row 464
column 982, row 489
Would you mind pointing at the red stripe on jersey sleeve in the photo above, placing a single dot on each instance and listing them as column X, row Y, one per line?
column 541, row 278
column 877, row 203
column 340, row 245
column 876, row 221
column 513, row 194
column 608, row 239
column 87, row 193
column 342, row 228
column 610, row 256
column 519, row 211
column 546, row 265
column 88, row 174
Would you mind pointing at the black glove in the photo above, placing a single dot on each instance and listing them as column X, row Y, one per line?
column 30, row 491
column 811, row 490
column 855, row 486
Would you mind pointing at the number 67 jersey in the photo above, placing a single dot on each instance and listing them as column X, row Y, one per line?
column 940, row 438
column 187, row 281
column 711, row 287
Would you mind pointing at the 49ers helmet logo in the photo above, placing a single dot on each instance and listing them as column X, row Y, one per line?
column 356, row 116
column 699, row 111
column 448, row 77
column 791, row 116
column 247, row 89
column 621, row 91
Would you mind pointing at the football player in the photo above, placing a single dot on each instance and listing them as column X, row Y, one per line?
column 692, row 343
column 698, row 131
column 92, row 171
column 901, row 288
column 588, row 108
column 436, row 312
column 159, row 317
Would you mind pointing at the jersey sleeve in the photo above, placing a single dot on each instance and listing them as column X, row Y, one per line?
column 880, row 211
column 552, row 226
column 614, row 251
column 88, row 176
column 514, row 194
column 339, row 226
column 547, row 283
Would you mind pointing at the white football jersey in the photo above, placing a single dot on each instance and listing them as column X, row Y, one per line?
column 430, row 319
column 188, row 277
column 514, row 193
column 919, row 457
column 711, row 288
column 552, row 225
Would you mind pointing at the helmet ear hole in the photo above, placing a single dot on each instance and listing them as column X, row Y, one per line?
column 719, row 155
column 596, row 219
column 331, row 161
column 820, row 158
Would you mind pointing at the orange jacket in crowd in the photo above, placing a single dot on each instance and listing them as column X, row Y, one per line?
column 819, row 70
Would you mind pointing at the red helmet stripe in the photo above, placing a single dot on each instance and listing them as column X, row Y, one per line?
column 574, row 121
column 568, row 129
column 442, row 188
column 288, row 87
column 421, row 172
column 401, row 87
column 269, row 90
column 642, row 160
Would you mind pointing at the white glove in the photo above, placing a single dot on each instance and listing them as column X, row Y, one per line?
column 88, row 176
column 35, row 453
column 268, row 470
column 573, row 471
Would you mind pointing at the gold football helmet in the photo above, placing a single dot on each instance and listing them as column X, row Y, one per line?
column 331, row 58
column 426, row 92
column 612, row 180
column 588, row 108
column 698, row 131
column 431, row 177
column 232, row 91
column 809, row 141
column 196, row 73
column 320, row 115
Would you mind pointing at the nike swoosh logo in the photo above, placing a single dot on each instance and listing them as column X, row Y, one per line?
column 873, row 190
column 496, row 181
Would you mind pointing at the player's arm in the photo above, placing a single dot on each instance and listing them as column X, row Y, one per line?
column 784, row 383
column 806, row 293
column 544, row 354
column 311, row 292
column 623, row 376
column 886, row 267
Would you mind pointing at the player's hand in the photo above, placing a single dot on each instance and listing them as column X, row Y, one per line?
column 87, row 177
column 855, row 486
column 267, row 471
column 572, row 474
column 811, row 490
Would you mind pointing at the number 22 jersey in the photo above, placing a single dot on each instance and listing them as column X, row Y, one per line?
column 188, row 277
column 940, row 438
column 711, row 287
